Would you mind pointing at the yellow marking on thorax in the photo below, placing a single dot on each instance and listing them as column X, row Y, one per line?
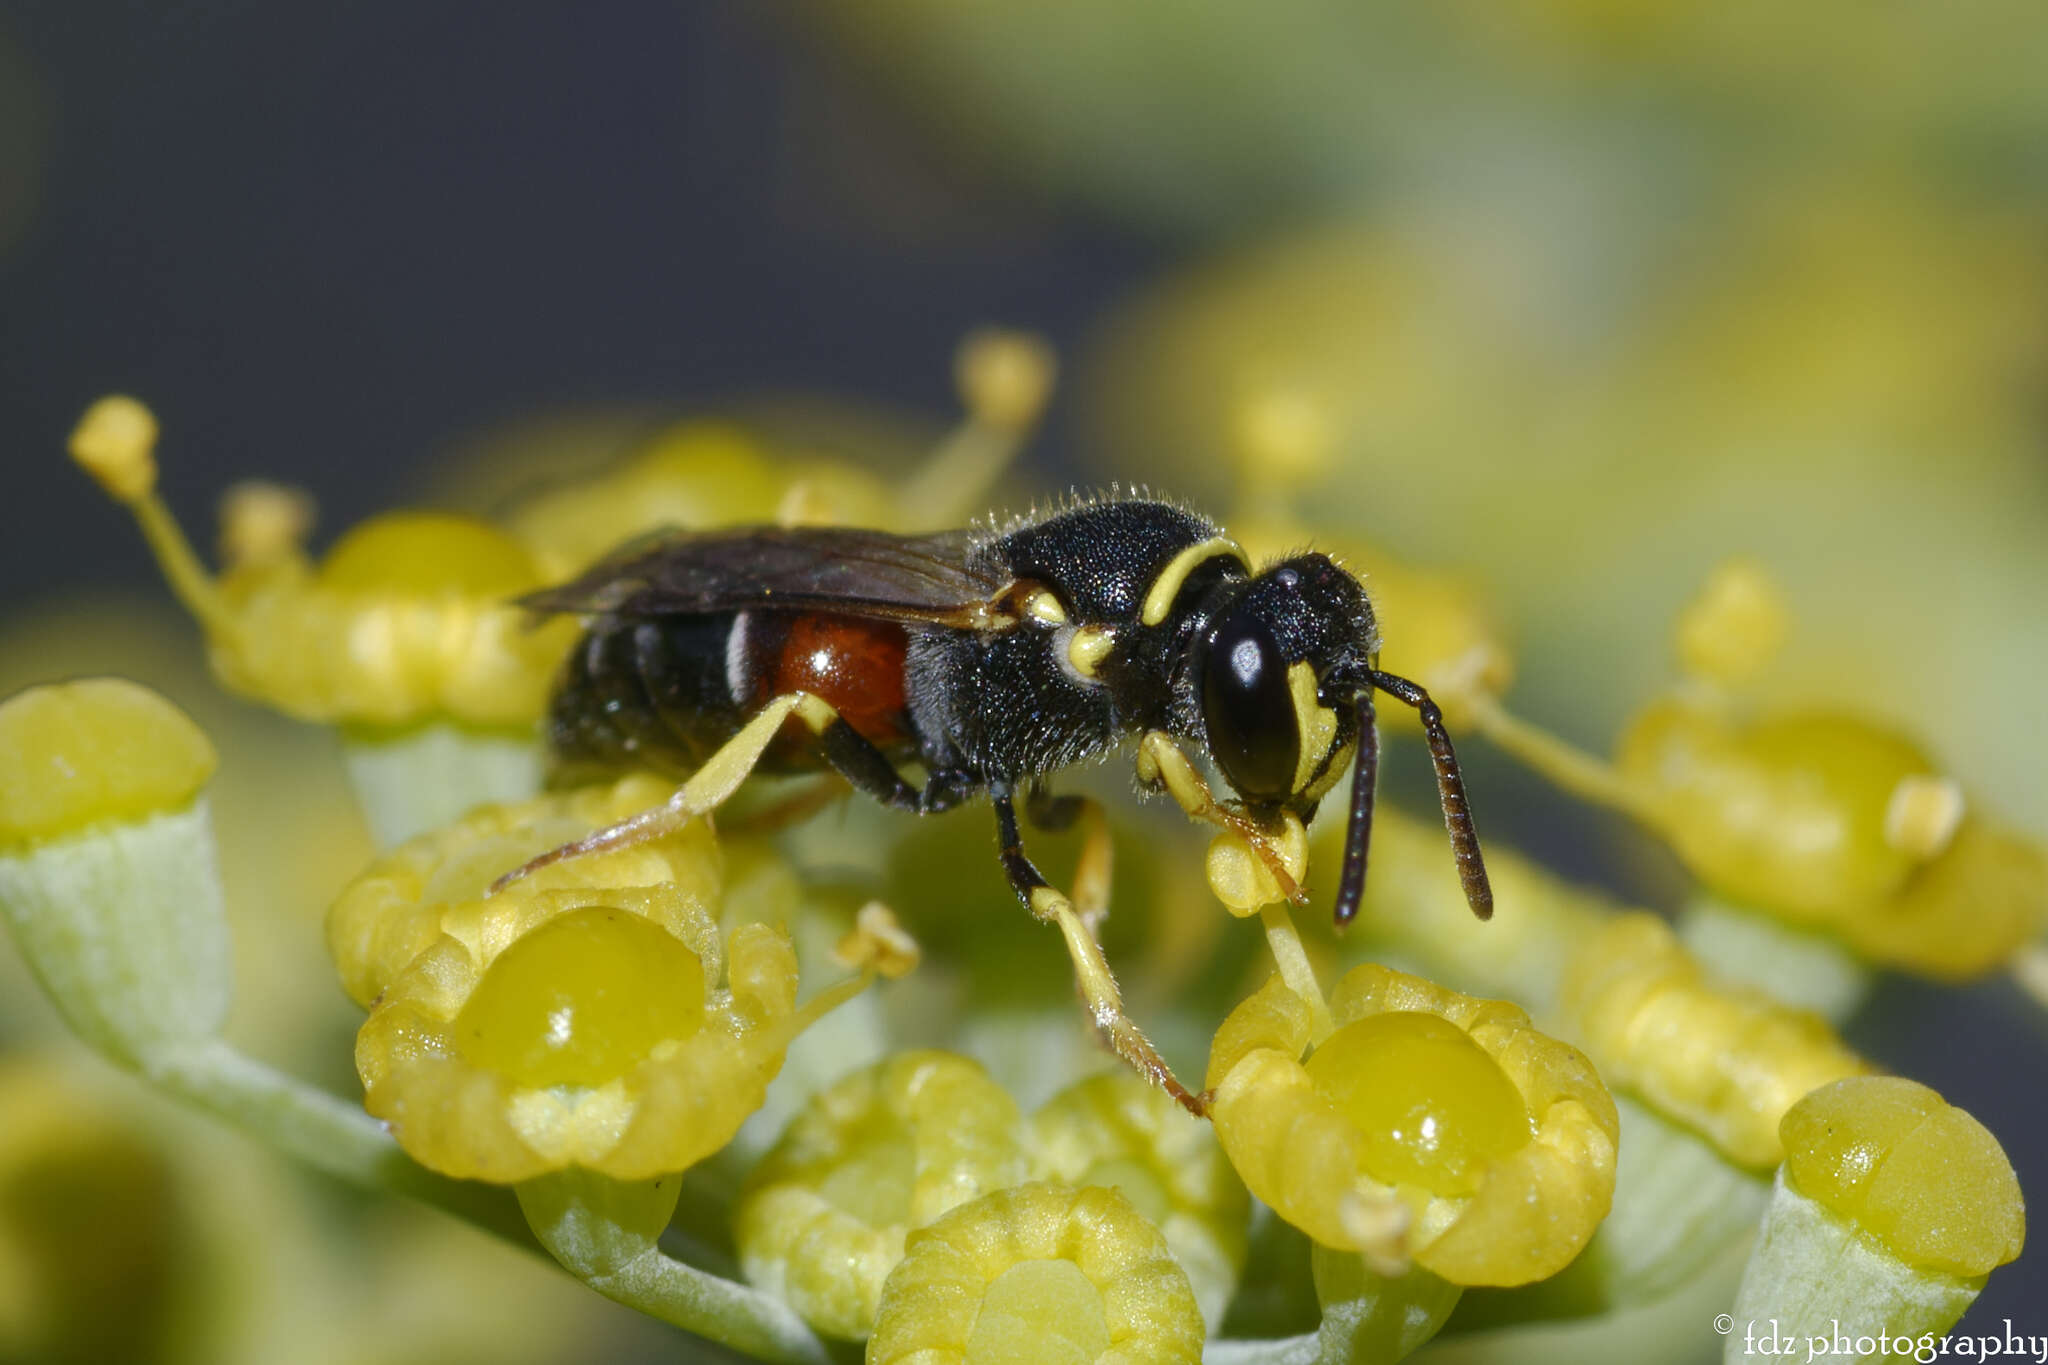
column 1315, row 723
column 1089, row 646
column 1166, row 587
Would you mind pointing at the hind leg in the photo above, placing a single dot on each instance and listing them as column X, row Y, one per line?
column 835, row 741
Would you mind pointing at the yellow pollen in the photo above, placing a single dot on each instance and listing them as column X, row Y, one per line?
column 1039, row 1313
column 1434, row 1108
column 581, row 999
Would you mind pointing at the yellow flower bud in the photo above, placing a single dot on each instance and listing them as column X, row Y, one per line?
column 1038, row 1275
column 1733, row 629
column 1113, row 1129
column 1004, row 376
column 1788, row 814
column 93, row 752
column 1430, row 1126
column 1725, row 1061
column 888, row 1149
column 115, row 442
column 1834, row 824
column 1912, row 1171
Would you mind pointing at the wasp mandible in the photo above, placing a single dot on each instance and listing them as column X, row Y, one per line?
column 991, row 658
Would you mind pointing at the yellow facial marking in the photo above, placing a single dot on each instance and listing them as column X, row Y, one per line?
column 1314, row 722
column 1089, row 647
column 1166, row 587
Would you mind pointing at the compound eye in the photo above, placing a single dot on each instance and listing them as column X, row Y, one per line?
column 1249, row 711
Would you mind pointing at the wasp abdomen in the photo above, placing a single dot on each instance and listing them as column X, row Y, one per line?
column 667, row 693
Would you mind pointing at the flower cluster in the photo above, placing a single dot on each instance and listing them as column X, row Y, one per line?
column 1584, row 1119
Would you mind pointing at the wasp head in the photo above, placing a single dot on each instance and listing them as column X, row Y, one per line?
column 1279, row 665
column 1287, row 665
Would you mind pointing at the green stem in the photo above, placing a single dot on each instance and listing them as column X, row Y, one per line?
column 327, row 1133
column 604, row 1232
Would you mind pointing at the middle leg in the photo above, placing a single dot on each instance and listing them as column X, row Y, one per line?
column 1091, row 970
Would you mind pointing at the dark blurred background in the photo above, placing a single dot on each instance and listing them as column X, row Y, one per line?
column 332, row 244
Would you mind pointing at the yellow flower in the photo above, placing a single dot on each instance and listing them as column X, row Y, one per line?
column 1725, row 1061
column 1113, row 1129
column 1833, row 823
column 1038, row 1274
column 1917, row 1174
column 1430, row 1126
column 395, row 910
column 408, row 619
column 887, row 1150
column 97, row 751
column 586, row 1025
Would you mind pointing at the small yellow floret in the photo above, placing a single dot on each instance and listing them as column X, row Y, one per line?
column 398, row 907
column 1787, row 814
column 1004, row 376
column 1725, row 1061
column 1966, row 913
column 878, row 942
column 1238, row 874
column 1115, row 1130
column 115, row 442
column 261, row 522
column 1498, row 1141
column 1038, row 1275
column 1733, row 629
column 409, row 619
column 546, row 1031
column 1917, row 1174
column 886, row 1150
column 74, row 755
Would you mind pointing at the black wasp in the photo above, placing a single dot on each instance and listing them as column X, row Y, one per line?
column 991, row 658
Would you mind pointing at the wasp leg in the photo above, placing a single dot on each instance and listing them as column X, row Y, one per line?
column 1091, row 971
column 1163, row 767
column 1055, row 814
column 858, row 761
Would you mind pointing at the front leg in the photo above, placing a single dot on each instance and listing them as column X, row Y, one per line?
column 1162, row 766
column 1091, row 971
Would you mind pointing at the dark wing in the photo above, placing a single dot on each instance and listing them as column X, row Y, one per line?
column 837, row 569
